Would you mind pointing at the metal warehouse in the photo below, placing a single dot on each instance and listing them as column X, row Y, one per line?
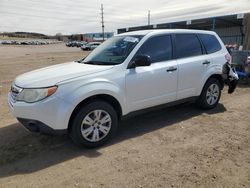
column 233, row 29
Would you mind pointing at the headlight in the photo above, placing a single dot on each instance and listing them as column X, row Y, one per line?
column 34, row 95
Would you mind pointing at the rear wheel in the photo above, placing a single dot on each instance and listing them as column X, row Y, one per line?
column 210, row 94
column 94, row 124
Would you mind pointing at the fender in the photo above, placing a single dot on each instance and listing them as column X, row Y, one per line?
column 82, row 91
column 215, row 69
column 98, row 88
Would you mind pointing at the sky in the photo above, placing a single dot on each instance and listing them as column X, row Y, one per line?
column 83, row 16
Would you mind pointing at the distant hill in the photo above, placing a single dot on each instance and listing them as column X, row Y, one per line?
column 25, row 35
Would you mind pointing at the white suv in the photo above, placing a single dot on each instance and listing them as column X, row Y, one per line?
column 127, row 73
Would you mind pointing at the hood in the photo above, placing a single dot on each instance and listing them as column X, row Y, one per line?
column 52, row 75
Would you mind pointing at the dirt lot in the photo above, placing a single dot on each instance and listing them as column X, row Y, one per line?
column 180, row 146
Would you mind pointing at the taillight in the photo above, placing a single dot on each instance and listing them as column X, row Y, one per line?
column 228, row 58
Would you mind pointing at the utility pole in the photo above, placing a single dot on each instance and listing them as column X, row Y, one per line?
column 149, row 17
column 102, row 22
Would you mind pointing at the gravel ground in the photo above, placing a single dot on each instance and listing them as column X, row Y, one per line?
column 179, row 146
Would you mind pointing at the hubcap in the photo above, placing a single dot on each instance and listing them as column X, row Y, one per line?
column 96, row 125
column 212, row 94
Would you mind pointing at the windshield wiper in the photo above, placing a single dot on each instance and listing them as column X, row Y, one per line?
column 80, row 61
column 92, row 62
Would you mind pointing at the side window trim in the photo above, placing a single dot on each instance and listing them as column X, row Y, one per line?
column 204, row 51
column 173, row 46
column 175, row 56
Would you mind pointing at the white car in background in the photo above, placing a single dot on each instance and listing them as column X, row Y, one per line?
column 90, row 45
column 127, row 73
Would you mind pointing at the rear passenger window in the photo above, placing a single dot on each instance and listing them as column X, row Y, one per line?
column 210, row 43
column 159, row 48
column 187, row 45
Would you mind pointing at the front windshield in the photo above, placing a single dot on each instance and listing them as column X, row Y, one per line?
column 113, row 51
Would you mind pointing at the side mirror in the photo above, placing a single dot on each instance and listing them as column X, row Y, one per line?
column 140, row 61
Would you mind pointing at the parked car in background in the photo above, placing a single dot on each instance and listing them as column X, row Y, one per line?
column 71, row 44
column 75, row 43
column 90, row 45
column 83, row 46
column 80, row 43
column 28, row 42
column 127, row 73
column 24, row 43
column 68, row 43
column 6, row 42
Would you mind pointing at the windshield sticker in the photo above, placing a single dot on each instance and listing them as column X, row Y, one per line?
column 131, row 39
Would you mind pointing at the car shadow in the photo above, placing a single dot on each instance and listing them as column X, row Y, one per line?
column 244, row 84
column 22, row 152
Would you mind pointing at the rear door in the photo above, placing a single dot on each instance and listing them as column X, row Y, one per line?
column 155, row 84
column 213, row 48
column 192, row 62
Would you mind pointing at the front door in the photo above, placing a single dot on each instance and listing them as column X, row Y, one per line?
column 155, row 84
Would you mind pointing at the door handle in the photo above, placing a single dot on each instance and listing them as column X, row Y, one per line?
column 171, row 69
column 206, row 62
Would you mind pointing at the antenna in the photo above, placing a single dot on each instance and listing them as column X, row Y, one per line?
column 102, row 22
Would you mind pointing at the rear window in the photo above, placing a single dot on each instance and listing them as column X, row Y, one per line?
column 187, row 45
column 210, row 43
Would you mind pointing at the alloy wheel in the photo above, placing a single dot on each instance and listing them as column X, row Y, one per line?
column 96, row 125
column 212, row 94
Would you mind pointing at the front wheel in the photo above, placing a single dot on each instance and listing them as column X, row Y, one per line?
column 94, row 124
column 210, row 94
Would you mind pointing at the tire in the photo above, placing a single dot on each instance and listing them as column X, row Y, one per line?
column 210, row 94
column 94, row 124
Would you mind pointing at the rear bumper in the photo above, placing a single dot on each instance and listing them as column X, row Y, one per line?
column 39, row 127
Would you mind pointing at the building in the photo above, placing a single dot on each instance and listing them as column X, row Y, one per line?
column 232, row 28
column 97, row 36
column 90, row 37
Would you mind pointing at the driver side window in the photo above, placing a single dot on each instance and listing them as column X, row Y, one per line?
column 159, row 48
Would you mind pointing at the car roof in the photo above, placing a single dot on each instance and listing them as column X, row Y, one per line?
column 162, row 31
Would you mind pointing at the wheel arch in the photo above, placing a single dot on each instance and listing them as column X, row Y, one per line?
column 104, row 97
column 219, row 78
column 216, row 76
column 202, row 99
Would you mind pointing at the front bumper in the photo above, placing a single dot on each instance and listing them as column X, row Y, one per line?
column 39, row 127
column 50, row 115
